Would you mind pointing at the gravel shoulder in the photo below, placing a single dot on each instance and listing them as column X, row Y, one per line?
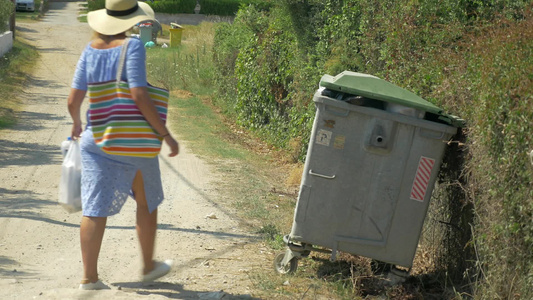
column 39, row 242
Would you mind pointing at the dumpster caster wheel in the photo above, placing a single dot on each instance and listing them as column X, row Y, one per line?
column 290, row 268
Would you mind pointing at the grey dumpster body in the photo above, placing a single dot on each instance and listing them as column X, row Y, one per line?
column 370, row 169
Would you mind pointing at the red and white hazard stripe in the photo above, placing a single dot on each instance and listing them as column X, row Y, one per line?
column 421, row 182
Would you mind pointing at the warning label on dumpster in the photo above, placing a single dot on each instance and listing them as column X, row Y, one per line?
column 339, row 142
column 323, row 137
column 421, row 182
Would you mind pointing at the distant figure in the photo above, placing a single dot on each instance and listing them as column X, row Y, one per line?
column 157, row 29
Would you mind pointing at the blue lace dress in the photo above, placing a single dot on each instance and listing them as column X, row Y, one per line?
column 106, row 179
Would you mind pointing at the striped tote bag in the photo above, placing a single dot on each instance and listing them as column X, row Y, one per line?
column 118, row 126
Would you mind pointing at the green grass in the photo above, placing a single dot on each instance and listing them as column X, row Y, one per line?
column 14, row 67
column 83, row 13
column 196, row 123
column 189, row 66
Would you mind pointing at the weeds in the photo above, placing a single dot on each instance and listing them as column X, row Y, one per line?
column 6, row 9
column 14, row 68
column 187, row 67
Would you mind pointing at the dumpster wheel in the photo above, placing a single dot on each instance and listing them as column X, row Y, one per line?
column 291, row 266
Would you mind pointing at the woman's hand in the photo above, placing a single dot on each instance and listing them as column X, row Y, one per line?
column 75, row 98
column 76, row 131
column 173, row 144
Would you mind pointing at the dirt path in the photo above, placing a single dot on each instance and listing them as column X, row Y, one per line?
column 39, row 241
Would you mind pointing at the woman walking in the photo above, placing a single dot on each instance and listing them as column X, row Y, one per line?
column 108, row 180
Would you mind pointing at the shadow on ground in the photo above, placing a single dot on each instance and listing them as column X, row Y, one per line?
column 27, row 154
column 176, row 291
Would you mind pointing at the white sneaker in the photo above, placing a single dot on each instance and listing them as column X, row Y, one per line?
column 94, row 286
column 161, row 269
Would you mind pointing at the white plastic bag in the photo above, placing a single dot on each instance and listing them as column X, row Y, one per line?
column 70, row 184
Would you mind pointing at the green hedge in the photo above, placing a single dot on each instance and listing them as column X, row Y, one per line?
column 230, row 7
column 162, row 6
column 208, row 7
column 259, row 77
column 173, row 6
column 6, row 9
column 95, row 4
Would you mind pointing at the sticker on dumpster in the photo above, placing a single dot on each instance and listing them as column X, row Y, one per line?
column 339, row 142
column 421, row 182
column 329, row 123
column 323, row 137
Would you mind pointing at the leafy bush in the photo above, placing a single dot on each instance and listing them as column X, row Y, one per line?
column 219, row 7
column 208, row 7
column 228, row 41
column 501, row 64
column 254, row 76
column 95, row 4
column 230, row 7
column 173, row 6
column 6, row 9
column 161, row 6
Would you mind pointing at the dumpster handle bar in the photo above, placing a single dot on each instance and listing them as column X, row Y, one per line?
column 427, row 134
column 320, row 175
column 344, row 112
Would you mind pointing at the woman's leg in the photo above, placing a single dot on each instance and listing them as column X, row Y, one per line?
column 91, row 235
column 146, row 223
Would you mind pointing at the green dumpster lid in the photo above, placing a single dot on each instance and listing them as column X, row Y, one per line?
column 375, row 88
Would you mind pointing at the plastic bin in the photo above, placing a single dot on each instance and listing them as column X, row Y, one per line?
column 146, row 32
column 176, row 32
column 373, row 159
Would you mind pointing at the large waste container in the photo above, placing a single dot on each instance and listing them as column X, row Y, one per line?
column 373, row 159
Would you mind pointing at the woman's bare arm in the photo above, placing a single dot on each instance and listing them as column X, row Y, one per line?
column 75, row 99
column 146, row 106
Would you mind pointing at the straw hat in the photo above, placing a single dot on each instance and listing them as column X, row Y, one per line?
column 119, row 15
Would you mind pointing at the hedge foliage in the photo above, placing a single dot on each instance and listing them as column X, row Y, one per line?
column 173, row 6
column 230, row 7
column 95, row 4
column 208, row 7
column 162, row 6
column 6, row 9
column 472, row 58
column 257, row 62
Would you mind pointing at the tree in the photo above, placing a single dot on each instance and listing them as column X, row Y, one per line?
column 12, row 19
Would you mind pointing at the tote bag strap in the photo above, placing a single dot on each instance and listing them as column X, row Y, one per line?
column 122, row 59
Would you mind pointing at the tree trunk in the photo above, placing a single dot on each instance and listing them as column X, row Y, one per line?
column 12, row 19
